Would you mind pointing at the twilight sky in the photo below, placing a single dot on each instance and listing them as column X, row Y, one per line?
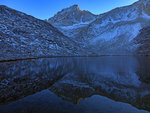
column 44, row 9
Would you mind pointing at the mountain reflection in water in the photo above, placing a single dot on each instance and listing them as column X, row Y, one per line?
column 76, row 85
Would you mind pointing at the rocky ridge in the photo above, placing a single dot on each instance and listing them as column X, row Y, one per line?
column 111, row 33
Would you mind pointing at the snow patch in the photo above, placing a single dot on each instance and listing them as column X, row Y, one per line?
column 78, row 25
column 126, row 16
column 130, row 31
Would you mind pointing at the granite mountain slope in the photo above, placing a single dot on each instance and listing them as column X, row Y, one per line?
column 82, row 33
column 110, row 33
column 23, row 36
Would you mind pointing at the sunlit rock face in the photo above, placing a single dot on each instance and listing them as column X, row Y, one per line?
column 124, row 79
column 24, row 36
column 70, row 16
column 110, row 33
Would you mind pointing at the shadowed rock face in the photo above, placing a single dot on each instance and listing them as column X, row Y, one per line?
column 143, row 39
column 23, row 36
column 123, row 79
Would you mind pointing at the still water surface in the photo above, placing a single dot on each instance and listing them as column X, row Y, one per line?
column 108, row 84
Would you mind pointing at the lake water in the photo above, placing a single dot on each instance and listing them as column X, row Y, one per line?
column 107, row 84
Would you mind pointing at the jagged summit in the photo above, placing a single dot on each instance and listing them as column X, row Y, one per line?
column 70, row 16
column 75, row 7
column 72, row 8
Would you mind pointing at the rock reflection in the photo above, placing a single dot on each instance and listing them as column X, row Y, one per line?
column 22, row 78
column 123, row 79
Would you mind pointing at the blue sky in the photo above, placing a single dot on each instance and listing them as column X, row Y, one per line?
column 44, row 9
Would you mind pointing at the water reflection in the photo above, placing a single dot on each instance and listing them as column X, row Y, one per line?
column 120, row 78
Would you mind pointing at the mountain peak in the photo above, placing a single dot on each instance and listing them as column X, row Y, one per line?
column 72, row 8
column 71, row 15
column 75, row 6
